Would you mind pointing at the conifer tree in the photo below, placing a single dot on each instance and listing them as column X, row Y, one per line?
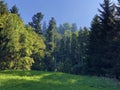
column 36, row 22
column 15, row 10
column 3, row 8
column 50, row 45
column 93, row 63
column 101, row 35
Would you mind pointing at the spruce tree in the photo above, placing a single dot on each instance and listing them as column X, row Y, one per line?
column 36, row 22
column 74, row 27
column 74, row 53
column 83, row 41
column 50, row 45
column 116, row 45
column 44, row 28
column 94, row 49
column 103, row 34
column 3, row 8
column 107, row 19
column 15, row 10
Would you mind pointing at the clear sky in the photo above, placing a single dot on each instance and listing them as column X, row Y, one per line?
column 80, row 12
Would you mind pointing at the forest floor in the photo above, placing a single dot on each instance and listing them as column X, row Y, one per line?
column 38, row 80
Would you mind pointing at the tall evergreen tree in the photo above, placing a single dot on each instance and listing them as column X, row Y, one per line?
column 67, row 54
column 102, row 35
column 15, row 10
column 74, row 27
column 83, row 41
column 60, row 29
column 36, row 22
column 50, row 45
column 67, row 26
column 74, row 53
column 115, row 45
column 61, row 55
column 44, row 28
column 94, row 64
column 3, row 8
column 50, row 35
column 107, row 19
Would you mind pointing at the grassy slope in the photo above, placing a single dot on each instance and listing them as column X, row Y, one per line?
column 34, row 80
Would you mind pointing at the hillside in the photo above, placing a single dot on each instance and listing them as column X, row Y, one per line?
column 35, row 80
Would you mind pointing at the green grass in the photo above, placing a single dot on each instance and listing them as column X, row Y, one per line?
column 35, row 80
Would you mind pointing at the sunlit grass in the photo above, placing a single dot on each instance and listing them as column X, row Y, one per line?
column 35, row 80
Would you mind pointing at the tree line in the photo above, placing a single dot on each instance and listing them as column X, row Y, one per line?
column 64, row 48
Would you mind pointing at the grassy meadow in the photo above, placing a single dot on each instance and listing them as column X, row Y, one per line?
column 36, row 80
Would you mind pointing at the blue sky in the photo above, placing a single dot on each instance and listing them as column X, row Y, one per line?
column 80, row 12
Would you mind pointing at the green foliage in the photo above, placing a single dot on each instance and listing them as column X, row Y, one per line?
column 3, row 8
column 74, row 27
column 104, row 42
column 34, row 47
column 50, row 45
column 18, row 44
column 67, row 26
column 71, row 51
column 83, row 42
column 44, row 28
column 14, row 10
column 74, row 51
column 50, row 35
column 36, row 22
column 95, row 51
column 94, row 47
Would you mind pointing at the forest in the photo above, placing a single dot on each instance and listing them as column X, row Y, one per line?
column 63, row 48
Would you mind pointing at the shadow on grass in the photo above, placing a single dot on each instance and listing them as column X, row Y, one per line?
column 47, row 81
column 21, row 73
column 35, row 80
